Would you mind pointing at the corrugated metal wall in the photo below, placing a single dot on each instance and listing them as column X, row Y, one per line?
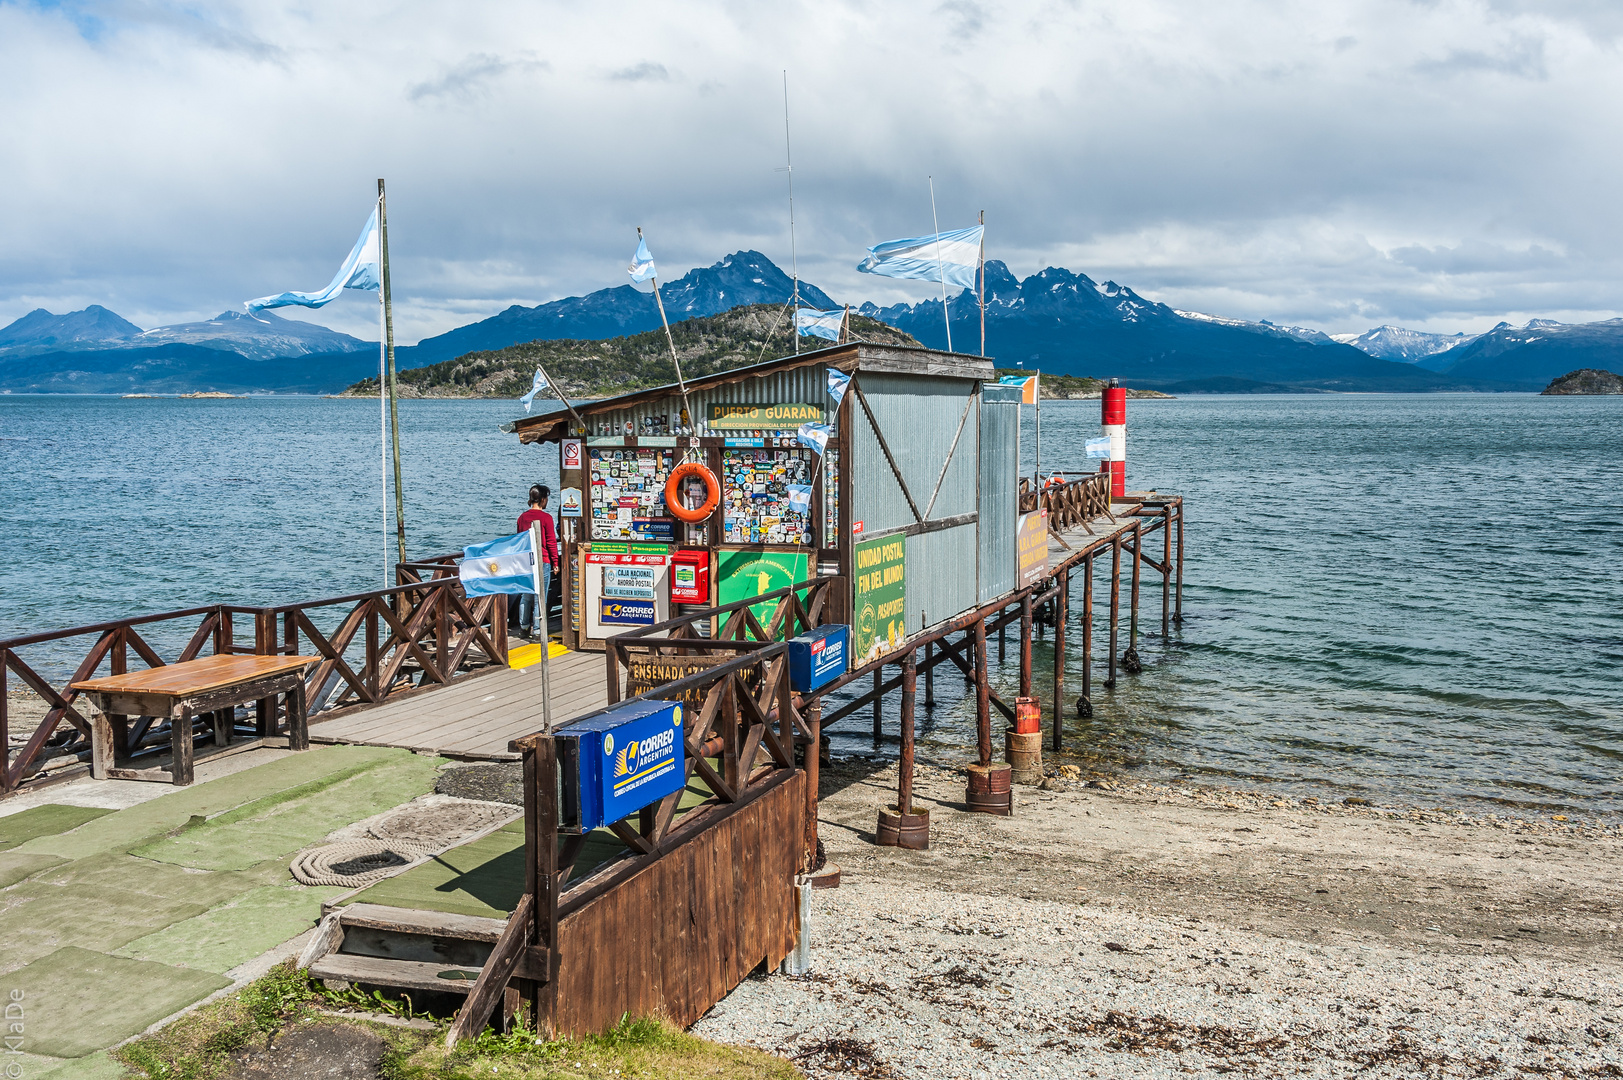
column 919, row 417
column 1000, row 488
column 807, row 385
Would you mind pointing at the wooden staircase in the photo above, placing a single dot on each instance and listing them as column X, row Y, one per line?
column 401, row 949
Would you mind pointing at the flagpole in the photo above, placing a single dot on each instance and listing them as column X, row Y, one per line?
column 938, row 266
column 1039, row 428
column 545, row 621
column 983, row 283
column 383, row 429
column 681, row 382
column 388, row 336
column 845, row 325
column 560, row 392
column 788, row 159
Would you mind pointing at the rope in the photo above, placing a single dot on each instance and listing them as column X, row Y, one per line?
column 350, row 863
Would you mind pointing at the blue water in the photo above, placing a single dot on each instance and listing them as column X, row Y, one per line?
column 1409, row 597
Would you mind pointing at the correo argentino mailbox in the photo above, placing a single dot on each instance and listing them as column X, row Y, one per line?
column 615, row 762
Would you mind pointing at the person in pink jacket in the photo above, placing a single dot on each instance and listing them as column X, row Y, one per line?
column 525, row 620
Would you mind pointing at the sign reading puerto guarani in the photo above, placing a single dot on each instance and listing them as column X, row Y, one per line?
column 763, row 417
column 879, row 597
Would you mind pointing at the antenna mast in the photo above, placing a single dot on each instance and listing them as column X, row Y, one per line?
column 794, row 261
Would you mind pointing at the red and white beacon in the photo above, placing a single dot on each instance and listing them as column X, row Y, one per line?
column 1113, row 425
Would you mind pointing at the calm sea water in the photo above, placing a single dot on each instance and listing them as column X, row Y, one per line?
column 1410, row 597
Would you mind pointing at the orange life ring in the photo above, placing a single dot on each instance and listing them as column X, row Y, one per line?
column 673, row 492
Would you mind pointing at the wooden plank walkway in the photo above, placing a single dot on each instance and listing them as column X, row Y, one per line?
column 1080, row 541
column 476, row 717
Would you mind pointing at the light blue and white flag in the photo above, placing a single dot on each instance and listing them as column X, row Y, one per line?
column 800, row 498
column 823, row 324
column 362, row 270
column 838, row 382
column 814, row 436
column 536, row 387
column 642, row 263
column 955, row 255
column 506, row 565
column 1098, row 448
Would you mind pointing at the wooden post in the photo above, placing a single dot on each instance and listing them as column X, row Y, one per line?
column 541, row 871
column 388, row 342
column 878, row 702
column 1178, row 606
column 1087, row 635
column 1002, row 640
column 5, row 723
column 298, row 719
column 1132, row 619
column 904, row 782
column 728, row 722
column 929, row 675
column 1166, row 566
column 611, row 656
column 1025, row 644
column 374, row 662
column 814, row 764
column 1062, row 610
column 1115, row 603
column 180, row 744
column 983, row 701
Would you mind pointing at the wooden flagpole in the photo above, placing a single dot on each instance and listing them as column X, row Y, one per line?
column 680, row 382
column 983, row 283
column 556, row 389
column 388, row 344
column 940, row 270
column 383, row 420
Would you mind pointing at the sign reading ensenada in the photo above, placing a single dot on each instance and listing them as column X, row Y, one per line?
column 763, row 417
column 879, row 595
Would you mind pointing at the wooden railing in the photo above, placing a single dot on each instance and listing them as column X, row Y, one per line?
column 377, row 644
column 675, row 649
column 740, row 742
column 1073, row 504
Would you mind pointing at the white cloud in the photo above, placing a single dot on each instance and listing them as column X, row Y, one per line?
column 1338, row 165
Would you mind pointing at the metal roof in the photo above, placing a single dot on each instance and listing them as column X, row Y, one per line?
column 852, row 356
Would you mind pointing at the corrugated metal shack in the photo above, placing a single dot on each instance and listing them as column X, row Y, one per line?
column 922, row 452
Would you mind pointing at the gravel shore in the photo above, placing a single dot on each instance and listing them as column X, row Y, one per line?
column 1136, row 931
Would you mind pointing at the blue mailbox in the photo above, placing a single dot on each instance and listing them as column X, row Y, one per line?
column 818, row 656
column 617, row 761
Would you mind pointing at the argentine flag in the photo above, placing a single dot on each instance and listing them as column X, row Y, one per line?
column 950, row 257
column 506, row 565
column 823, row 324
column 1098, row 448
column 362, row 270
column 536, row 387
column 814, row 436
column 838, row 381
column 642, row 263
column 800, row 498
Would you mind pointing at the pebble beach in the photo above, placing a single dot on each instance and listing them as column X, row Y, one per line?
column 1124, row 930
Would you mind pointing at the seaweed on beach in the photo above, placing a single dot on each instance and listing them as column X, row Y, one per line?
column 844, row 1055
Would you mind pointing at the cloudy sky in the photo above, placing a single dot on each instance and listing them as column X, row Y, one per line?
column 1440, row 165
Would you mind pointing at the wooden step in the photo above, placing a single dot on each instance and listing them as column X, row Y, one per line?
column 427, row 923
column 397, row 974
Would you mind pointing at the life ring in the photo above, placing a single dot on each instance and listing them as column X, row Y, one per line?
column 673, row 492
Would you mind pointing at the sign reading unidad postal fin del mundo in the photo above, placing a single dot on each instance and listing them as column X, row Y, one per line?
column 763, row 417
column 879, row 597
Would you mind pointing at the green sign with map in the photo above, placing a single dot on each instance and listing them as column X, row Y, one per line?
column 745, row 572
column 879, row 597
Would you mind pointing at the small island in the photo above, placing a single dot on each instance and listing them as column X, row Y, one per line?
column 1586, row 381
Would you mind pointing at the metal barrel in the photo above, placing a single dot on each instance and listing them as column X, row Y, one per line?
column 910, row 831
column 1024, row 753
column 989, row 790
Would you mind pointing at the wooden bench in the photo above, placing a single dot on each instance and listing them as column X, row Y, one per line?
column 210, row 684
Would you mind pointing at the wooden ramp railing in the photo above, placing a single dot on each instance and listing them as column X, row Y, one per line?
column 697, row 899
column 373, row 645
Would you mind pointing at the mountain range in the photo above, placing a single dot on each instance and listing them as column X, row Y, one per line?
column 1055, row 320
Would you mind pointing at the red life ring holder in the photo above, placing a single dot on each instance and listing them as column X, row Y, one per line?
column 673, row 492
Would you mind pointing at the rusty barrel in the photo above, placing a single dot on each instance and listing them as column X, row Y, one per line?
column 989, row 790
column 904, row 830
column 1024, row 753
column 1028, row 715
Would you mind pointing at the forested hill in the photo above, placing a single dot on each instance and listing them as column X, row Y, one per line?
column 619, row 365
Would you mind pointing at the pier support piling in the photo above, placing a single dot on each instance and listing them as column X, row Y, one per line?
column 1166, row 571
column 983, row 701
column 899, row 826
column 1025, row 645
column 1115, row 604
column 1062, row 611
column 1084, row 704
column 1130, row 662
column 878, row 702
column 1177, row 610
column 929, row 675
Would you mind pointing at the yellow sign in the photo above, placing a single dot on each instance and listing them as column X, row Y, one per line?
column 879, row 596
column 763, row 417
column 1031, row 548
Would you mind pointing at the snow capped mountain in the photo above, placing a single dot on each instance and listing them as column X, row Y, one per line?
column 264, row 336
column 94, row 326
column 1407, row 346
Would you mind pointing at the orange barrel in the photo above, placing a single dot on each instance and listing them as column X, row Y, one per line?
column 1024, row 753
column 989, row 790
column 910, row 831
column 1028, row 715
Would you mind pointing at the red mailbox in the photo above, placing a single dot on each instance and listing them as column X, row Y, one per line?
column 690, row 577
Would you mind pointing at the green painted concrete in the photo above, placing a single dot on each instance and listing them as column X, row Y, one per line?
column 483, row 878
column 48, row 820
column 15, row 866
column 98, row 1066
column 85, row 1001
column 278, row 825
column 147, row 821
column 236, row 931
